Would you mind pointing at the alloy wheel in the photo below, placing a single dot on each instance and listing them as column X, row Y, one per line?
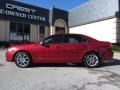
column 22, row 59
column 91, row 60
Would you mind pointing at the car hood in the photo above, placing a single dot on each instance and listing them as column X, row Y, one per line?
column 25, row 46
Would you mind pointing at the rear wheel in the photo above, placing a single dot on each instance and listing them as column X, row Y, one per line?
column 91, row 60
column 22, row 59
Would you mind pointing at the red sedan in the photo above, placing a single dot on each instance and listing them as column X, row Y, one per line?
column 62, row 48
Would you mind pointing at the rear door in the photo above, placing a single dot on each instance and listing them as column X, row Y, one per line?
column 73, row 47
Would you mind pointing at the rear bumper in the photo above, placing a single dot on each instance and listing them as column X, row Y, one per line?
column 107, row 57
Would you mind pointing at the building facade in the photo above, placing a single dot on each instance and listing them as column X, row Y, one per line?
column 20, row 22
column 98, row 19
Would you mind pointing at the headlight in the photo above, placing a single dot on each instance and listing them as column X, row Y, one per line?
column 12, row 49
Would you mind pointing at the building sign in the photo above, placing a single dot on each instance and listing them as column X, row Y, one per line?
column 21, row 11
column 19, row 8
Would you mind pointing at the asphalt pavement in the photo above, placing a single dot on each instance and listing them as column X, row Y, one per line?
column 59, row 76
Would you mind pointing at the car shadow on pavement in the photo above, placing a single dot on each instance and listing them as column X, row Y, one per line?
column 1, row 65
column 113, row 62
column 56, row 65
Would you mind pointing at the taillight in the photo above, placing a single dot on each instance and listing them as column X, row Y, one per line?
column 107, row 45
column 110, row 44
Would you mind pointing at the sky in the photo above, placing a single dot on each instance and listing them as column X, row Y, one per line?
column 61, row 4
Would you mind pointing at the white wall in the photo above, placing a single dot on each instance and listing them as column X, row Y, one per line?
column 93, row 10
column 34, row 32
column 102, row 30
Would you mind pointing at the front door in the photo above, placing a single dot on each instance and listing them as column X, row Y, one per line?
column 50, row 50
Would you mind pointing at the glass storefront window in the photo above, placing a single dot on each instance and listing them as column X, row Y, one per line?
column 13, row 31
column 26, row 32
column 19, row 32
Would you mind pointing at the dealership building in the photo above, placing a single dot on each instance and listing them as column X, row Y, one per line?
column 27, row 23
column 98, row 19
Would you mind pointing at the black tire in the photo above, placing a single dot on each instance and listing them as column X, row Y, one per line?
column 22, row 59
column 91, row 60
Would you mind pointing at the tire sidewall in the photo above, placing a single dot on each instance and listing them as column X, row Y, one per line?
column 17, row 54
column 85, row 63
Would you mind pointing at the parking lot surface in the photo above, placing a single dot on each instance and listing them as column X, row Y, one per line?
column 59, row 76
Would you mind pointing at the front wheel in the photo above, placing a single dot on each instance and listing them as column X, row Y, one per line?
column 91, row 60
column 22, row 59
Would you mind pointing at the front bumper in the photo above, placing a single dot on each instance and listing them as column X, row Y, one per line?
column 9, row 56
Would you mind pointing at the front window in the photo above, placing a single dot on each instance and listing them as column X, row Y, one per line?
column 57, row 39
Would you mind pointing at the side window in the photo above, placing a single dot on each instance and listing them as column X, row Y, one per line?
column 80, row 38
column 54, row 39
column 70, row 39
column 73, row 39
column 84, row 40
column 48, row 40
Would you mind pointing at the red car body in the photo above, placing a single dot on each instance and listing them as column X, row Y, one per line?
column 63, row 52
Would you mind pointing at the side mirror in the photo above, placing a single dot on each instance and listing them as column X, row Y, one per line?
column 43, row 44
